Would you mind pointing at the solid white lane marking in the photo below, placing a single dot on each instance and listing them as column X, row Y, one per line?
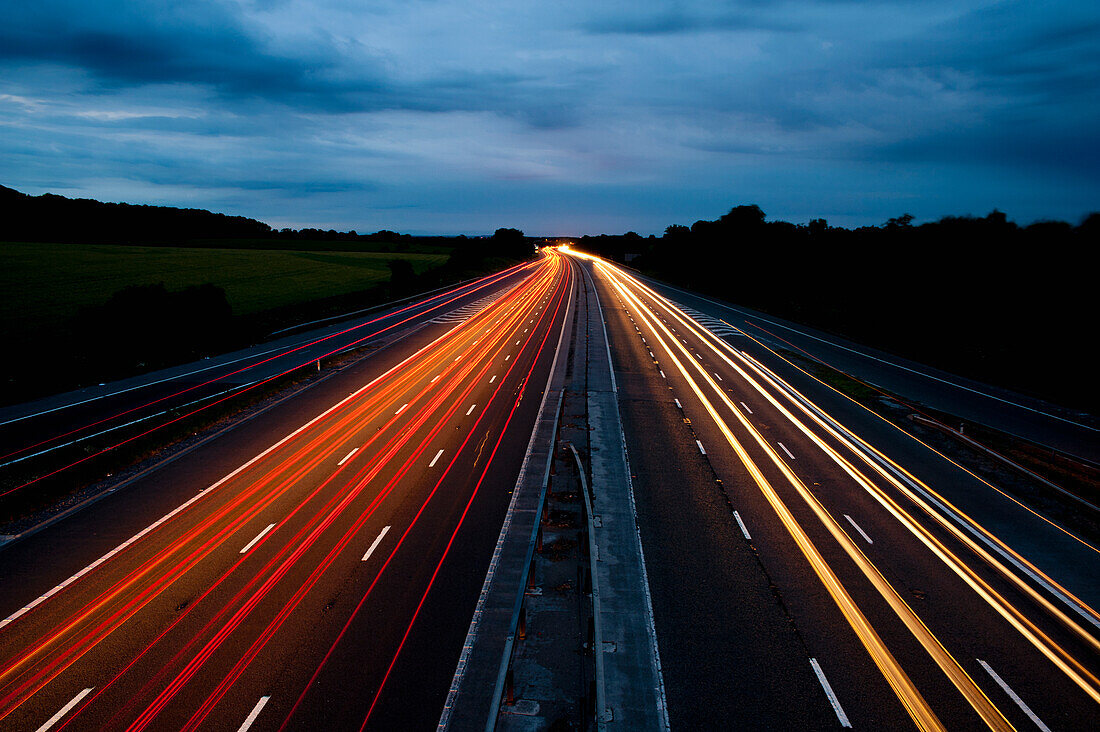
column 786, row 450
column 375, row 543
column 253, row 714
column 402, row 409
column 701, row 447
column 259, row 536
column 348, row 456
column 493, row 379
column 719, row 377
column 678, row 404
column 64, row 710
column 829, row 693
column 1019, row 702
column 437, row 456
column 744, row 531
column 746, row 406
column 436, row 378
column 470, row 410
column 856, row 526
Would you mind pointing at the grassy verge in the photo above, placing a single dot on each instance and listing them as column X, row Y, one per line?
column 45, row 285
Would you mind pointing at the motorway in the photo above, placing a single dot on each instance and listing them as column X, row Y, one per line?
column 812, row 567
column 313, row 569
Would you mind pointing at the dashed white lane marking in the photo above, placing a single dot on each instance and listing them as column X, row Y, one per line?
column 253, row 714
column 1012, row 694
column 829, row 693
column 746, row 406
column 493, row 379
column 375, row 543
column 699, row 356
column 517, row 343
column 786, row 450
column 507, row 357
column 64, row 710
column 402, row 409
column 678, row 404
column 856, row 526
column 436, row 458
column 719, row 377
column 662, row 374
column 701, row 449
column 470, row 410
column 436, row 378
column 744, row 531
column 259, row 536
column 348, row 456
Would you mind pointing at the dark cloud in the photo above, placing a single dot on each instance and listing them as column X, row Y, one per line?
column 817, row 107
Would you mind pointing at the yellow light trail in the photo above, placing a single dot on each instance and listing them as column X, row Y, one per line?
column 1070, row 666
column 1066, row 663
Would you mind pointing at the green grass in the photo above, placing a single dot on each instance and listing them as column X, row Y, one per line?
column 43, row 285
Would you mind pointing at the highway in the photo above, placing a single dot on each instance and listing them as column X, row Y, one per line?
column 812, row 567
column 313, row 569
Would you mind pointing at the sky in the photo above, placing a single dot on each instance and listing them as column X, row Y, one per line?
column 556, row 117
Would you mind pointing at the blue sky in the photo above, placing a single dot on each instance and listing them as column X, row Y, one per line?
column 556, row 117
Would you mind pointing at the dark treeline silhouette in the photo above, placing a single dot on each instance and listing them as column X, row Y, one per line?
column 983, row 297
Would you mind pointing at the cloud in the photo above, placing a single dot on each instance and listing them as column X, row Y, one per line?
column 682, row 105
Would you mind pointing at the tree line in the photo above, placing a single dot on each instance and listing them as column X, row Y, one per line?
column 980, row 296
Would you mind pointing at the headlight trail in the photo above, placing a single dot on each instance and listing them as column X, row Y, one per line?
column 1073, row 668
column 910, row 698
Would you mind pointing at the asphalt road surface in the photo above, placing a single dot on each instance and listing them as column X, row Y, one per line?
column 812, row 567
column 315, row 569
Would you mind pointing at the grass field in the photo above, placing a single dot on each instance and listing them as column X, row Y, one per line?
column 43, row 285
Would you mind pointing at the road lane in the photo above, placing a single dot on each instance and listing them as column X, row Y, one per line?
column 903, row 560
column 202, row 620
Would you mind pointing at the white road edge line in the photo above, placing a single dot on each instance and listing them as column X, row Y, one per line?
column 374, row 545
column 741, row 523
column 253, row 714
column 64, row 710
column 786, row 450
column 348, row 456
column 259, row 536
column 437, row 456
column 1019, row 702
column 829, row 693
column 856, row 526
